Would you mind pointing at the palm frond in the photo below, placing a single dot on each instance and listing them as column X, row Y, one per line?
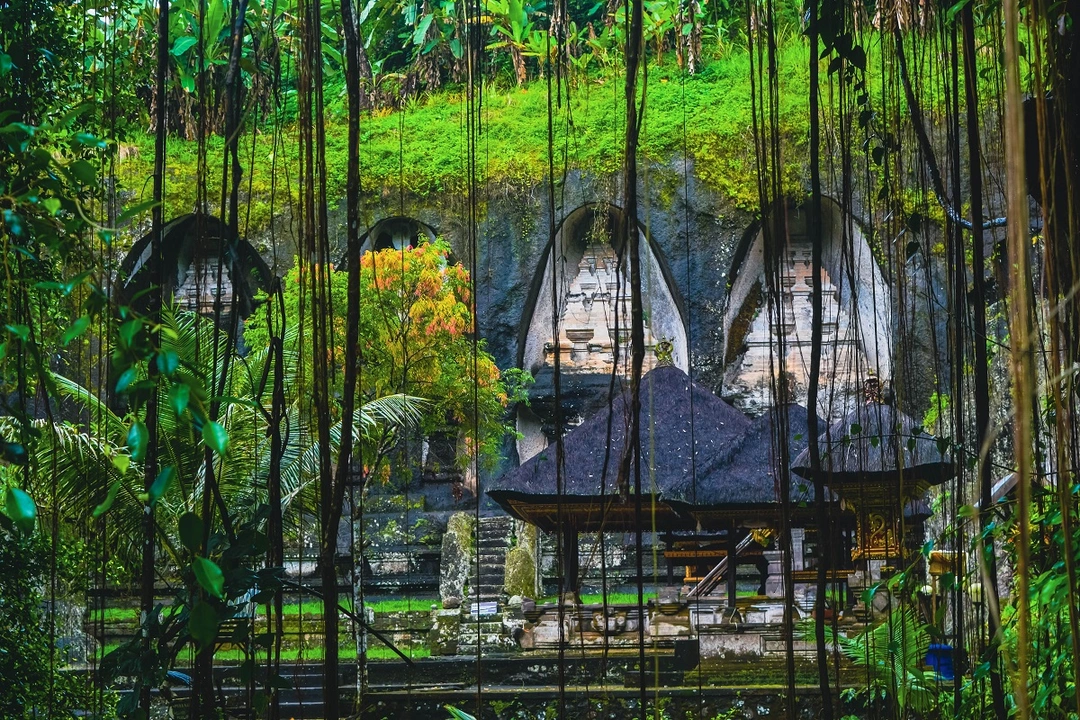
column 101, row 414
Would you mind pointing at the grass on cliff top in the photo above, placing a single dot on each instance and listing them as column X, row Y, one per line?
column 429, row 156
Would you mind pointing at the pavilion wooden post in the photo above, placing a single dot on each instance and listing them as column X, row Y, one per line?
column 732, row 564
column 570, row 562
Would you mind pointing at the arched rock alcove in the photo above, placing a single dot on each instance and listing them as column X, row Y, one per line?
column 397, row 232
column 856, row 328
column 593, row 308
column 196, row 249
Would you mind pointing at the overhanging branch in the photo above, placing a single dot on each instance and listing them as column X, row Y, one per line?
column 926, row 150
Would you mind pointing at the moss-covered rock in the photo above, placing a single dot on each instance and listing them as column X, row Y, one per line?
column 521, row 563
column 445, row 629
column 458, row 550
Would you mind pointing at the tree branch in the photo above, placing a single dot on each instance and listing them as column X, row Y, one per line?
column 926, row 150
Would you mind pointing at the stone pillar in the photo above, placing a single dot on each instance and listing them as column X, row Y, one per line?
column 445, row 631
column 458, row 551
column 520, row 572
column 798, row 549
column 774, row 581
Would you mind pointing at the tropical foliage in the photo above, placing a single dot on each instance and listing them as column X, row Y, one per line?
column 416, row 338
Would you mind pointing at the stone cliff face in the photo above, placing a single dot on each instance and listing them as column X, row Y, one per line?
column 514, row 229
column 698, row 238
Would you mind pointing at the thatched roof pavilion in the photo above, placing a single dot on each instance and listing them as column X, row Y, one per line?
column 877, row 456
column 882, row 462
column 683, row 425
column 744, row 485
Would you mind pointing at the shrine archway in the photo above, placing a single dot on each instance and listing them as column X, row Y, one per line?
column 857, row 322
column 591, row 282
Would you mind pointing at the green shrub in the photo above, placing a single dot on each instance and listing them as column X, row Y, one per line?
column 33, row 686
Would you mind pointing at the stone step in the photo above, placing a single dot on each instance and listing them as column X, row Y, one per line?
column 486, row 582
column 491, row 591
column 470, row 626
column 488, row 586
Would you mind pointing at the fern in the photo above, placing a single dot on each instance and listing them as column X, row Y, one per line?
column 894, row 651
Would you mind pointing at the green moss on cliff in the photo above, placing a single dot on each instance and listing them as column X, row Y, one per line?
column 423, row 147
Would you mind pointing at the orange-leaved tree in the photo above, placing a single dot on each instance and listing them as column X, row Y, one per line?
column 416, row 338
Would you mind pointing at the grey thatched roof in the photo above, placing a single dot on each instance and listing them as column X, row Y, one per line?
column 749, row 476
column 668, row 439
column 878, row 450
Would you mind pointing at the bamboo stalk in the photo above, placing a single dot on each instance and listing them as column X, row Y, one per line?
column 1022, row 366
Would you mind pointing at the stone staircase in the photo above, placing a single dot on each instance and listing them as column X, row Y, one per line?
column 482, row 622
column 488, row 573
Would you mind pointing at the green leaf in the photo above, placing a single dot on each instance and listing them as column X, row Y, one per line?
column 216, row 437
column 77, row 328
column 856, row 428
column 422, row 28
column 192, row 530
column 167, row 362
column 179, row 396
column 84, row 172
column 126, row 378
column 13, row 222
column 134, row 210
column 128, row 331
column 456, row 714
column 121, row 462
column 20, row 508
column 90, row 141
column 161, row 483
column 5, row 64
column 209, row 576
column 107, row 503
column 203, row 624
column 20, row 331
column 137, row 438
column 51, row 205
column 15, row 453
column 955, row 10
column 182, row 45
column 857, row 57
